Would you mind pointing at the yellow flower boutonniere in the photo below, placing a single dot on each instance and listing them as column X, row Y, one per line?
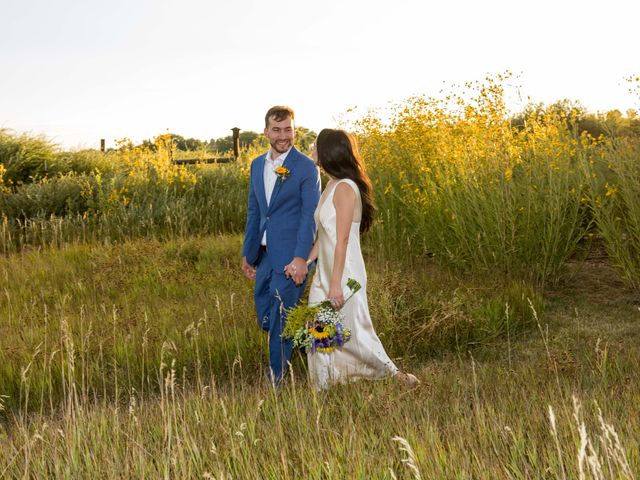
column 282, row 173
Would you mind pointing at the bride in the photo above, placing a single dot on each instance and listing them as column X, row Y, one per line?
column 344, row 211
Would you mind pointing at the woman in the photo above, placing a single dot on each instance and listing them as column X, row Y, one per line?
column 344, row 211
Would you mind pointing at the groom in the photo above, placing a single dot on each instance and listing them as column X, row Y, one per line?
column 284, row 190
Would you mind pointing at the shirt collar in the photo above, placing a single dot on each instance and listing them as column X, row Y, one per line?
column 280, row 160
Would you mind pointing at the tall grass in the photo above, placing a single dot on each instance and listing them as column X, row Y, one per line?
column 74, row 314
column 615, row 199
column 458, row 182
column 26, row 159
column 472, row 420
column 145, row 360
column 454, row 180
column 144, row 195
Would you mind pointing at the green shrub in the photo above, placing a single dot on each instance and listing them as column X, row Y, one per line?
column 27, row 158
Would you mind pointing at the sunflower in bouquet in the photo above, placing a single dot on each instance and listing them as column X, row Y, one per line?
column 318, row 328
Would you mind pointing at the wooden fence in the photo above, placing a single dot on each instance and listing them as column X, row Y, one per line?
column 192, row 161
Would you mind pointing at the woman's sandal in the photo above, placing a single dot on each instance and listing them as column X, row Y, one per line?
column 408, row 379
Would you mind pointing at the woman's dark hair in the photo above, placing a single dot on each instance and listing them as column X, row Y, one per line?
column 339, row 157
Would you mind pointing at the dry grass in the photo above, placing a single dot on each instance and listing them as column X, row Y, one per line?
column 151, row 391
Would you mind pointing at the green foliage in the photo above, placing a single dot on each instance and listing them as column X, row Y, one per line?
column 298, row 318
column 140, row 193
column 189, row 292
column 615, row 200
column 304, row 138
column 611, row 124
column 66, row 195
column 149, row 354
column 431, row 311
column 27, row 158
column 89, row 161
column 457, row 182
column 246, row 138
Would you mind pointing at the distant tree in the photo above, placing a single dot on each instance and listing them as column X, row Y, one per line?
column 225, row 144
column 247, row 138
column 619, row 125
column 591, row 124
column 222, row 144
column 191, row 144
column 304, row 138
column 148, row 145
column 178, row 141
column 574, row 114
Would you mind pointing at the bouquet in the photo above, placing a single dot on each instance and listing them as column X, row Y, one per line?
column 318, row 328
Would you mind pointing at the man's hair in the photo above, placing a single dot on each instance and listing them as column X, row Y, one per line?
column 279, row 113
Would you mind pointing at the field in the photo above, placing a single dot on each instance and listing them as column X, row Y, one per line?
column 503, row 271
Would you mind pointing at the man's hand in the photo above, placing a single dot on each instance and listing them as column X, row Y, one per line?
column 297, row 270
column 248, row 270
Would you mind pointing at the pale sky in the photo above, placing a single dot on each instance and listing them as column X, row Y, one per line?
column 80, row 70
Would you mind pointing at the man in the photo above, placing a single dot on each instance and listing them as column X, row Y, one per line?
column 284, row 190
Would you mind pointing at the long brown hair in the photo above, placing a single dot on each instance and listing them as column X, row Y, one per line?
column 338, row 156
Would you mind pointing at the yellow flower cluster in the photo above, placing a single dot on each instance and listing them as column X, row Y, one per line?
column 317, row 334
column 146, row 166
column 3, row 170
column 325, row 349
column 433, row 144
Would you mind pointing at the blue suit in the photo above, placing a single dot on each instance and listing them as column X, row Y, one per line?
column 288, row 221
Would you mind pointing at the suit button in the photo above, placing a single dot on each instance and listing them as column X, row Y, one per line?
column 268, row 218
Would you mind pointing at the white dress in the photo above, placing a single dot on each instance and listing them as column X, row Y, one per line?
column 363, row 356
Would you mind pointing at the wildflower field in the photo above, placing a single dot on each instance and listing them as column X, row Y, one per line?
column 504, row 271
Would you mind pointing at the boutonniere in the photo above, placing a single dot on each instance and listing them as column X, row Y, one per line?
column 282, row 173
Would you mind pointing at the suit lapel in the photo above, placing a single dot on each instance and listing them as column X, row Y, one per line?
column 287, row 164
column 262, row 196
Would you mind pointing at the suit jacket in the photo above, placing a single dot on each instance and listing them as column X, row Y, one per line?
column 288, row 219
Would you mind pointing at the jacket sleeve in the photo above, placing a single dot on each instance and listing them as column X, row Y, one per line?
column 310, row 193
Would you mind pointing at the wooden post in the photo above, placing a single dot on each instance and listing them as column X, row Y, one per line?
column 102, row 145
column 236, row 142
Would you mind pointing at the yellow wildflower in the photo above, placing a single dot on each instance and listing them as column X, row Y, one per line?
column 611, row 190
column 317, row 334
column 508, row 174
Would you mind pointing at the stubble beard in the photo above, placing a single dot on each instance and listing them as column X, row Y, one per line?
column 274, row 146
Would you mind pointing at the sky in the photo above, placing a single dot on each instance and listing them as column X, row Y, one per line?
column 80, row 70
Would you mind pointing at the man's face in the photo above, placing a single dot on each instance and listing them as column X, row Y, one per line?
column 280, row 134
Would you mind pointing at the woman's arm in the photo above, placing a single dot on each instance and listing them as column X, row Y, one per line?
column 313, row 254
column 344, row 200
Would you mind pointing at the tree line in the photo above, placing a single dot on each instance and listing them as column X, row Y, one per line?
column 248, row 138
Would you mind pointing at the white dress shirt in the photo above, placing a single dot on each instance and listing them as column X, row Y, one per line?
column 270, row 178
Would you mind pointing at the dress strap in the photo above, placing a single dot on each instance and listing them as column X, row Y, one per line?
column 358, row 212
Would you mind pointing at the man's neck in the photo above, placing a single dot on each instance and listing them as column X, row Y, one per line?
column 270, row 155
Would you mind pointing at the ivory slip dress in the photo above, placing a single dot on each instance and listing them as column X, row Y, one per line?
column 363, row 356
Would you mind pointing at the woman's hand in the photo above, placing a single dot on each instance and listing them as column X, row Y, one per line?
column 296, row 270
column 336, row 297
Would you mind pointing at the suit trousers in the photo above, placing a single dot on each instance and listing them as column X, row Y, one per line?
column 274, row 294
